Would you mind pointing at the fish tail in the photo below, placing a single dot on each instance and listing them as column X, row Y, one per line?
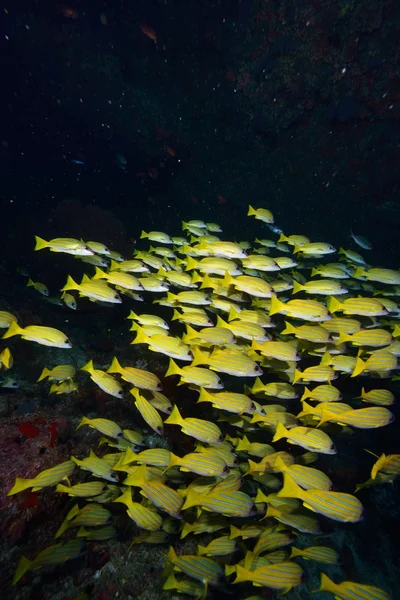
column 207, row 283
column 175, row 417
column 144, row 235
column 141, row 337
column 196, row 278
column 326, row 359
column 84, row 421
column 62, row 488
column 88, row 367
column 327, row 584
column 171, row 583
column 289, row 328
column 306, row 394
column 333, row 305
column 242, row 574
column 295, row 552
column 251, row 211
column 198, row 358
column 281, row 432
column 190, row 264
column 314, row 272
column 30, row 283
column 63, row 527
column 233, row 314
column 115, row 367
column 40, row 243
column 204, row 396
column 359, row 368
column 20, row 485
column 187, row 528
column 201, row 550
column 343, row 337
column 99, row 274
column 276, row 305
column 297, row 375
column 173, row 369
column 377, row 466
column 176, row 316
column 172, row 555
column 297, row 287
column 70, row 285
column 290, row 488
column 234, row 532
column 282, row 238
column 45, row 373
column 227, row 280
column 192, row 499
column 23, row 566
column 14, row 329
column 359, row 272
column 82, row 532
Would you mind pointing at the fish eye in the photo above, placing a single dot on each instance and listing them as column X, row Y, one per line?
column 114, row 476
column 226, row 469
column 67, row 341
column 159, row 387
column 219, row 382
column 257, row 369
column 120, row 435
column 333, row 448
column 159, row 430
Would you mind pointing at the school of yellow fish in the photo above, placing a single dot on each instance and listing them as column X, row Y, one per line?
column 238, row 318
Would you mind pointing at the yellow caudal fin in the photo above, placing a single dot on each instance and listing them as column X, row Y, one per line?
column 62, row 488
column 359, row 368
column 82, row 532
column 132, row 315
column 70, row 285
column 190, row 333
column 290, row 488
column 172, row 556
column 327, row 585
column 289, row 329
column 198, row 357
column 115, row 367
column 227, row 280
column 201, row 550
column 359, row 272
column 314, row 272
column 171, row 583
column 45, row 373
column 205, row 396
column 88, row 367
column 333, row 305
column 233, row 314
column 280, row 432
column 193, row 498
column 176, row 315
column 20, row 485
column 297, row 287
column 40, row 243
column 171, row 297
column 307, row 409
column 251, row 211
column 141, row 337
column 14, row 329
column 296, row 552
column 326, row 416
column 173, row 369
column 306, row 394
column 175, row 418
column 283, row 239
column 276, row 305
column 243, row 444
column 378, row 466
column 242, row 574
column 258, row 386
column 187, row 528
column 99, row 274
column 144, row 235
column 207, row 282
column 222, row 323
column 84, row 421
column 196, row 278
column 23, row 566
column 191, row 264
column 125, row 498
column 297, row 375
column 30, row 283
column 326, row 359
column 343, row 337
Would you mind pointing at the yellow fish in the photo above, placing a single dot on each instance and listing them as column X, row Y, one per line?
column 67, row 245
column 46, row 336
column 261, row 214
column 105, row 381
column 349, row 590
column 201, row 430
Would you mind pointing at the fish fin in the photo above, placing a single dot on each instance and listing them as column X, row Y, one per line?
column 207, row 282
column 175, row 418
column 115, row 367
column 297, row 287
column 176, row 315
column 84, row 421
column 280, row 432
column 88, row 367
column 141, row 337
column 198, row 358
column 14, row 329
column 327, row 585
column 201, row 550
column 20, row 485
column 40, row 243
column 333, row 305
column 191, row 264
column 23, row 566
column 359, row 368
column 45, row 373
column 242, row 574
column 251, row 211
column 143, row 235
column 192, row 499
column 276, row 305
column 70, row 285
column 290, row 488
column 205, row 396
column 377, row 466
